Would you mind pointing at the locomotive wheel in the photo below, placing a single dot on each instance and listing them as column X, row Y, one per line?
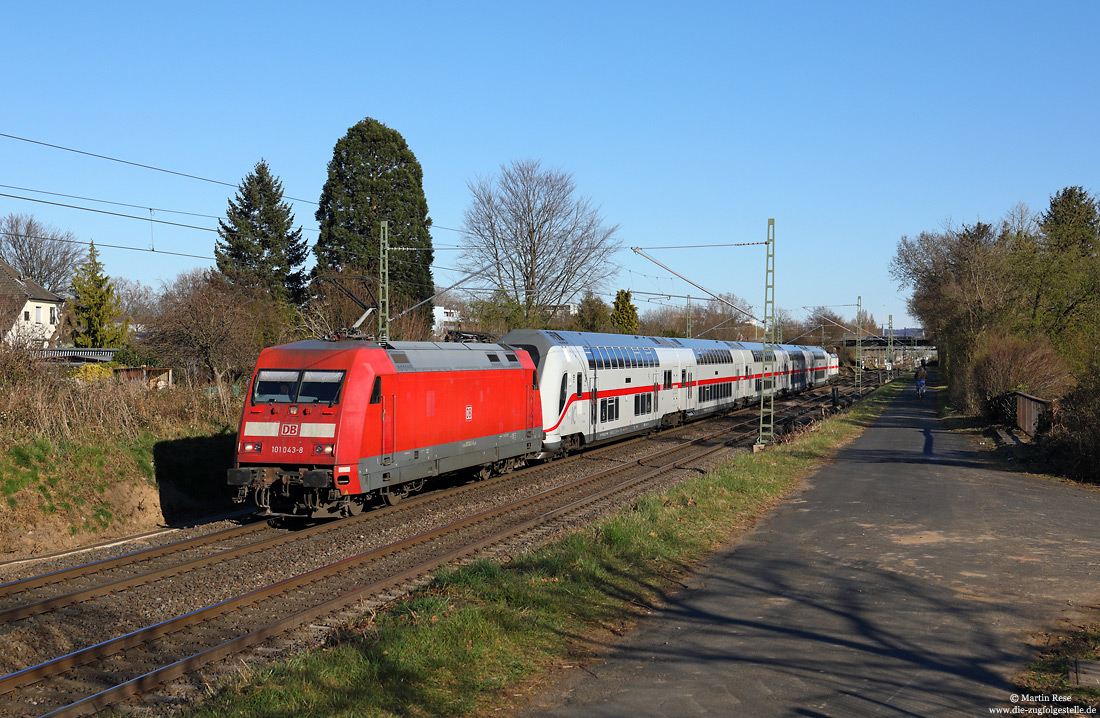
column 394, row 497
column 354, row 506
column 483, row 473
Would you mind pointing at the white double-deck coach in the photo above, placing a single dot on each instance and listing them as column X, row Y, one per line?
column 596, row 387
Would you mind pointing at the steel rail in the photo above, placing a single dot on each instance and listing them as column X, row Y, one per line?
column 16, row 613
column 68, row 574
column 147, row 681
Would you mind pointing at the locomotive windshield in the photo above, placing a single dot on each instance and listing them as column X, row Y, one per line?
column 289, row 386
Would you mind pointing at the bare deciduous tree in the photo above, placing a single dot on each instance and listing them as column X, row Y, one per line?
column 35, row 250
column 205, row 321
column 138, row 301
column 545, row 245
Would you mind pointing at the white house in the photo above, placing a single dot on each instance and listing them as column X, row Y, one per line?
column 444, row 319
column 29, row 314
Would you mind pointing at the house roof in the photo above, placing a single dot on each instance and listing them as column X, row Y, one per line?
column 13, row 285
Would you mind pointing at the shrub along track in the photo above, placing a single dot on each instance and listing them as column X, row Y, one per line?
column 272, row 599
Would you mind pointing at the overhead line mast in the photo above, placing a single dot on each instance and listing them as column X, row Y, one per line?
column 767, row 381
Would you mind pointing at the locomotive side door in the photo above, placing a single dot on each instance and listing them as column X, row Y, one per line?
column 389, row 427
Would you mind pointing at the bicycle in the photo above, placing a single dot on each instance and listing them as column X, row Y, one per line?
column 920, row 389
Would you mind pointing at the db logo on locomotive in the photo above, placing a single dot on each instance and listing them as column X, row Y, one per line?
column 288, row 430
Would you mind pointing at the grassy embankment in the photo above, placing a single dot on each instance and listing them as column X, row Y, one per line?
column 479, row 634
column 90, row 460
column 1050, row 673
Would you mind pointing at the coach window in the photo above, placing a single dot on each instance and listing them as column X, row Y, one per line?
column 591, row 357
column 376, row 392
column 578, row 385
column 564, row 391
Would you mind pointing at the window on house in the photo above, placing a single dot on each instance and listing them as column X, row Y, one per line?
column 26, row 316
column 53, row 315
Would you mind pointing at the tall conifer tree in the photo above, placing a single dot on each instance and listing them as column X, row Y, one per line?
column 96, row 311
column 257, row 243
column 624, row 315
column 374, row 176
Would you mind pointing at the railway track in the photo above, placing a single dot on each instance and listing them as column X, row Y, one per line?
column 89, row 677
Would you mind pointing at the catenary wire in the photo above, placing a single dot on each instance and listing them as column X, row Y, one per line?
column 137, row 164
column 101, row 244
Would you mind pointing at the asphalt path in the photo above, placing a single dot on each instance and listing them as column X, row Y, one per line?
column 908, row 578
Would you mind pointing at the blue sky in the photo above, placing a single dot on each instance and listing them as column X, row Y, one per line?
column 851, row 124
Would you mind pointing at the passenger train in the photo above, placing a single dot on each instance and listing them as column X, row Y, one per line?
column 327, row 425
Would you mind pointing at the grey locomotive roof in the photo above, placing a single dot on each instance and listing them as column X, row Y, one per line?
column 450, row 356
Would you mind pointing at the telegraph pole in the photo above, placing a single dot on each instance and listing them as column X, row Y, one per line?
column 689, row 316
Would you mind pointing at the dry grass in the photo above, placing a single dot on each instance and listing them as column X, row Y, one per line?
column 84, row 454
column 52, row 404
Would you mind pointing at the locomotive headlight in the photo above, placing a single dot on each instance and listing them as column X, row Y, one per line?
column 252, row 447
column 322, row 449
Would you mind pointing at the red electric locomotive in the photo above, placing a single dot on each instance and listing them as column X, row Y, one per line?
column 327, row 425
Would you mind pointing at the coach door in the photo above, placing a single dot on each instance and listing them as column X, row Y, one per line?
column 593, row 399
